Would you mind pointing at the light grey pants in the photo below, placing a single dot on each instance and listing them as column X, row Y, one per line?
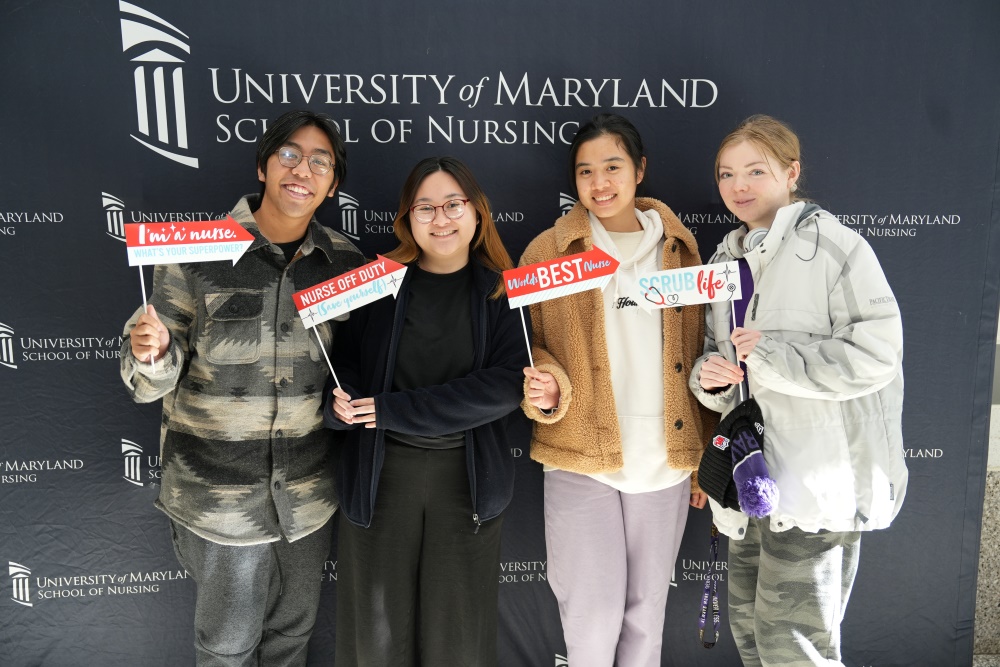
column 610, row 559
column 788, row 592
column 256, row 604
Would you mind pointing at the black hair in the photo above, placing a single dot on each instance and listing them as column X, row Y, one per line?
column 607, row 123
column 279, row 131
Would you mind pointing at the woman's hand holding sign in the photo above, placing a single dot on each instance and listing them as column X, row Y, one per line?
column 357, row 411
column 149, row 338
column 717, row 371
column 543, row 390
column 745, row 341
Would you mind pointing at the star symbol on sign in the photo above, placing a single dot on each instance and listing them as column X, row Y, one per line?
column 393, row 280
column 173, row 227
column 308, row 316
column 727, row 272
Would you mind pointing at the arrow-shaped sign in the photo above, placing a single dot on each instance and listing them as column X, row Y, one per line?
column 348, row 291
column 558, row 277
column 688, row 286
column 184, row 242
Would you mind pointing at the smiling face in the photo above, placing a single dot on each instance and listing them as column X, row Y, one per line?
column 292, row 194
column 753, row 184
column 444, row 243
column 606, row 179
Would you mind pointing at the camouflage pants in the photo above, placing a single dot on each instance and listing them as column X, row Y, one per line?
column 788, row 593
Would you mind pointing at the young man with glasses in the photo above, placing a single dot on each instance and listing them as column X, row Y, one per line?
column 247, row 475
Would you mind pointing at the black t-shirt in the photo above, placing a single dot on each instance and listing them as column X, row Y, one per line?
column 436, row 344
column 290, row 249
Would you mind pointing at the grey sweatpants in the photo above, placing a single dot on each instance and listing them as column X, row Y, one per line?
column 256, row 604
column 788, row 593
column 610, row 559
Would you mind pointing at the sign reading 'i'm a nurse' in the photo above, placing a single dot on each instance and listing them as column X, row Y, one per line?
column 184, row 242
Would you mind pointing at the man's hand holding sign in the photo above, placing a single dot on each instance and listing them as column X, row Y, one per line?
column 176, row 243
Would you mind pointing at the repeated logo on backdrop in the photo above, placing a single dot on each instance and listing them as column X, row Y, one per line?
column 117, row 215
column 140, row 470
column 161, row 110
column 45, row 348
column 45, row 588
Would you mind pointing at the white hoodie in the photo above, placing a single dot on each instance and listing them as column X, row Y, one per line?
column 635, row 350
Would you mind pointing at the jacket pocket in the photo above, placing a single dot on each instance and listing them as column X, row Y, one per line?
column 232, row 327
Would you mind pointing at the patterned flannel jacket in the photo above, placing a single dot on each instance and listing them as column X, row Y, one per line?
column 245, row 458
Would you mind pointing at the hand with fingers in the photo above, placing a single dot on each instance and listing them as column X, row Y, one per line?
column 543, row 390
column 717, row 372
column 745, row 341
column 354, row 411
column 149, row 338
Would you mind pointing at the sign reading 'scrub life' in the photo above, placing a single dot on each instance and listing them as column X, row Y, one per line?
column 558, row 277
column 348, row 291
column 688, row 286
column 183, row 242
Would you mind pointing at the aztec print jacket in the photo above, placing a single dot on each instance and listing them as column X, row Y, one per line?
column 244, row 454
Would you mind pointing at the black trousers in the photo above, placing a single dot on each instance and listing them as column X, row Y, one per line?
column 419, row 587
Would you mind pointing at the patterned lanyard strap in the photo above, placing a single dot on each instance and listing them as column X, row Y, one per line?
column 711, row 592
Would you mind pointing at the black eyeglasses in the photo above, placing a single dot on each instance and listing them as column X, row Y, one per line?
column 453, row 209
column 319, row 163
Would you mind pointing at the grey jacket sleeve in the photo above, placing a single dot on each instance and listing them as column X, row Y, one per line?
column 715, row 315
column 864, row 352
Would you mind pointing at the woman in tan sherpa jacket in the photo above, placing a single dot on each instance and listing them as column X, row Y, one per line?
column 616, row 427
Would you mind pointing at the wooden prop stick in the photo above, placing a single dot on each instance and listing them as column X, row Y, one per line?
column 327, row 357
column 145, row 309
column 524, row 325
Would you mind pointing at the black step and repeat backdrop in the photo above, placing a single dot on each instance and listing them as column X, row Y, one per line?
column 112, row 112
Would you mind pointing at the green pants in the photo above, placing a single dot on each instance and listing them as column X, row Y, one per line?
column 788, row 593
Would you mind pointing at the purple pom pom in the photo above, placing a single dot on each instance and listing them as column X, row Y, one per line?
column 758, row 496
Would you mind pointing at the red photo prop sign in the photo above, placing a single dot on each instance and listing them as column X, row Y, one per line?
column 558, row 277
column 184, row 242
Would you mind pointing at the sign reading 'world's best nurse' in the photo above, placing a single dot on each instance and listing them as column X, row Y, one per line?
column 558, row 277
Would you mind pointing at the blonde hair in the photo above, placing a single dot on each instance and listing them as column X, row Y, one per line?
column 771, row 137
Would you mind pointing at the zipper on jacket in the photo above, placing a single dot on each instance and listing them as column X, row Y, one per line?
column 753, row 313
column 470, row 438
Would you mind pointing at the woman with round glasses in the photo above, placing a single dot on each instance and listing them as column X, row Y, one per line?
column 616, row 428
column 428, row 380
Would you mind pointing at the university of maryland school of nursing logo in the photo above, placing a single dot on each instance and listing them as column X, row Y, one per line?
column 348, row 215
column 114, row 210
column 7, row 356
column 19, row 578
column 158, row 49
column 566, row 203
column 133, row 459
column 720, row 442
